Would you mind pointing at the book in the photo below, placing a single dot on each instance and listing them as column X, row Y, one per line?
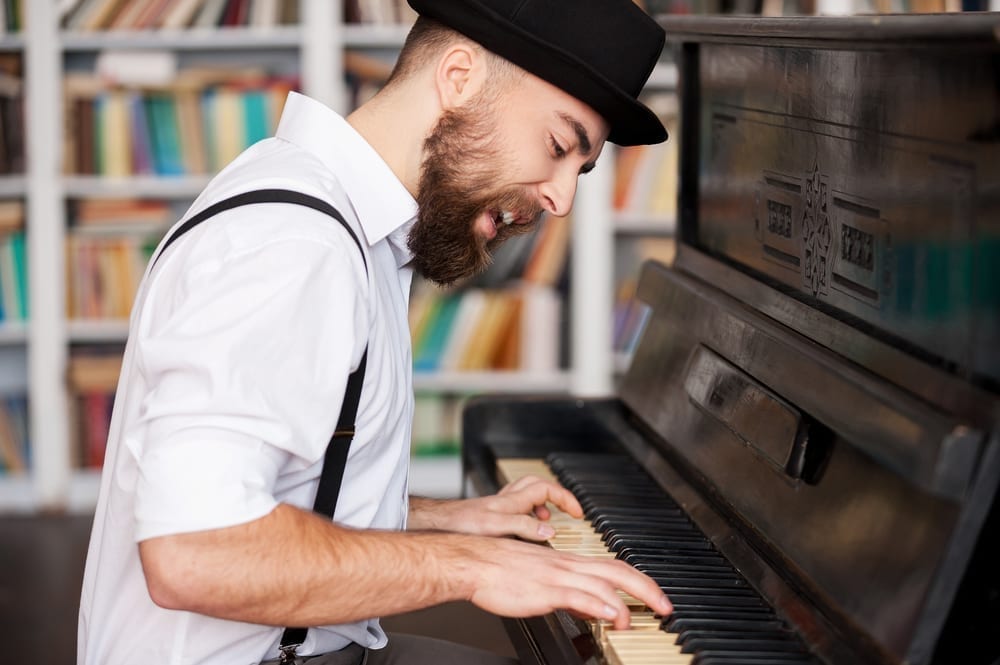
column 127, row 18
column 11, row 454
column 540, row 323
column 162, row 114
column 210, row 15
column 495, row 326
column 472, row 303
column 427, row 356
column 264, row 13
column 120, row 212
column 227, row 125
column 19, row 253
column 11, row 216
column 548, row 259
column 141, row 141
column 256, row 121
column 17, row 413
column 116, row 135
column 180, row 14
column 191, row 130
column 10, row 278
column 94, row 371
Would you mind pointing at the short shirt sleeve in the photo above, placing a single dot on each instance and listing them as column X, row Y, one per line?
column 245, row 361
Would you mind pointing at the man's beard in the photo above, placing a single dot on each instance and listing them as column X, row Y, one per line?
column 457, row 183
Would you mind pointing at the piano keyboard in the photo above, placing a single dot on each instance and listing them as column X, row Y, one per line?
column 718, row 618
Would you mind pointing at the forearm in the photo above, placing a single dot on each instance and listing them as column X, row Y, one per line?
column 292, row 567
column 428, row 514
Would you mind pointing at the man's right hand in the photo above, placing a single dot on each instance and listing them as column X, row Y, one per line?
column 518, row 579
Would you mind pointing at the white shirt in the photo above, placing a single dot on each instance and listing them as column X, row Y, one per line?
column 238, row 353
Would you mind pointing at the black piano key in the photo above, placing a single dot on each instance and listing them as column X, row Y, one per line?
column 679, row 625
column 709, row 574
column 601, row 508
column 676, row 589
column 606, row 524
column 630, row 554
column 746, row 647
column 619, row 543
column 680, row 601
column 704, row 583
column 746, row 659
column 707, row 561
column 611, row 525
column 678, row 565
column 724, row 613
column 717, row 638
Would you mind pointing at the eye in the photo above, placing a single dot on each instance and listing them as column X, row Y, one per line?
column 557, row 149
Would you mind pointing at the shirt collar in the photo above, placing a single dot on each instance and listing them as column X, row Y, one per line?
column 385, row 208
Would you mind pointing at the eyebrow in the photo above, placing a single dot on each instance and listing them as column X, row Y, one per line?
column 584, row 146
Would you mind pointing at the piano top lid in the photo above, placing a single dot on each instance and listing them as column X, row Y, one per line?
column 852, row 165
column 881, row 30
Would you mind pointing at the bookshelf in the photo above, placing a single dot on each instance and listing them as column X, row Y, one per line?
column 35, row 355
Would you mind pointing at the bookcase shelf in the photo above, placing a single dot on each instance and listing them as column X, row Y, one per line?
column 13, row 333
column 374, row 35
column 640, row 224
column 496, row 382
column 12, row 186
column 97, row 331
column 221, row 39
column 11, row 42
column 165, row 187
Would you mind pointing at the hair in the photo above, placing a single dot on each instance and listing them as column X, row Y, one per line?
column 428, row 39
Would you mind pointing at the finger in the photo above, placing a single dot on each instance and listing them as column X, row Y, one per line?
column 637, row 584
column 581, row 602
column 519, row 484
column 540, row 492
column 542, row 512
column 525, row 527
column 597, row 599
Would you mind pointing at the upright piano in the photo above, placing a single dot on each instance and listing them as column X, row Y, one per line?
column 805, row 449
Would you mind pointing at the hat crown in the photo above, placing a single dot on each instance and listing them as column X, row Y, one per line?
column 614, row 37
column 599, row 51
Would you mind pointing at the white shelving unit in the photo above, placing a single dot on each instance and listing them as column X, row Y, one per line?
column 43, row 343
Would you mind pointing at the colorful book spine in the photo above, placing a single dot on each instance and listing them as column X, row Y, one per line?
column 13, row 277
column 15, row 450
column 189, row 129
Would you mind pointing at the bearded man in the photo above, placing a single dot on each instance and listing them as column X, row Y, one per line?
column 282, row 319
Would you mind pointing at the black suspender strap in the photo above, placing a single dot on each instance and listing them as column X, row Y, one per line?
column 263, row 196
column 332, row 475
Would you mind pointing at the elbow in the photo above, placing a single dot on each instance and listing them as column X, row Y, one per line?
column 169, row 585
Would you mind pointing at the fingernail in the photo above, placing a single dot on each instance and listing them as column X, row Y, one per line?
column 546, row 531
column 610, row 612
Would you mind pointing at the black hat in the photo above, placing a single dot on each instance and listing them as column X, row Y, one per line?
column 599, row 51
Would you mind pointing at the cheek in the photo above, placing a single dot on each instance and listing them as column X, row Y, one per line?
column 527, row 164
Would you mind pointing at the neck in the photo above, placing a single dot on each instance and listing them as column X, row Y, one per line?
column 395, row 123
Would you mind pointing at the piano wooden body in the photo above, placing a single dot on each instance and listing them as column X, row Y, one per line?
column 818, row 381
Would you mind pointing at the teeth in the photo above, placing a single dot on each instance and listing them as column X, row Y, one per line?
column 507, row 218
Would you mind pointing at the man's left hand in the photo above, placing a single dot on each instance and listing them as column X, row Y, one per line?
column 519, row 509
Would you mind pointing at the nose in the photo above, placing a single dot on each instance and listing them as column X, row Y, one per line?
column 557, row 193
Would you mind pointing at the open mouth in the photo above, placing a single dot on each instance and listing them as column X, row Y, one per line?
column 504, row 217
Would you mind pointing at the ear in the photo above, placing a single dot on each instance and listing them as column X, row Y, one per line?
column 458, row 75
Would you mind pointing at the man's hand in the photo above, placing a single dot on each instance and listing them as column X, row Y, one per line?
column 517, row 510
column 516, row 579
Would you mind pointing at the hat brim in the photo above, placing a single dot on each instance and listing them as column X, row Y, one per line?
column 630, row 121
